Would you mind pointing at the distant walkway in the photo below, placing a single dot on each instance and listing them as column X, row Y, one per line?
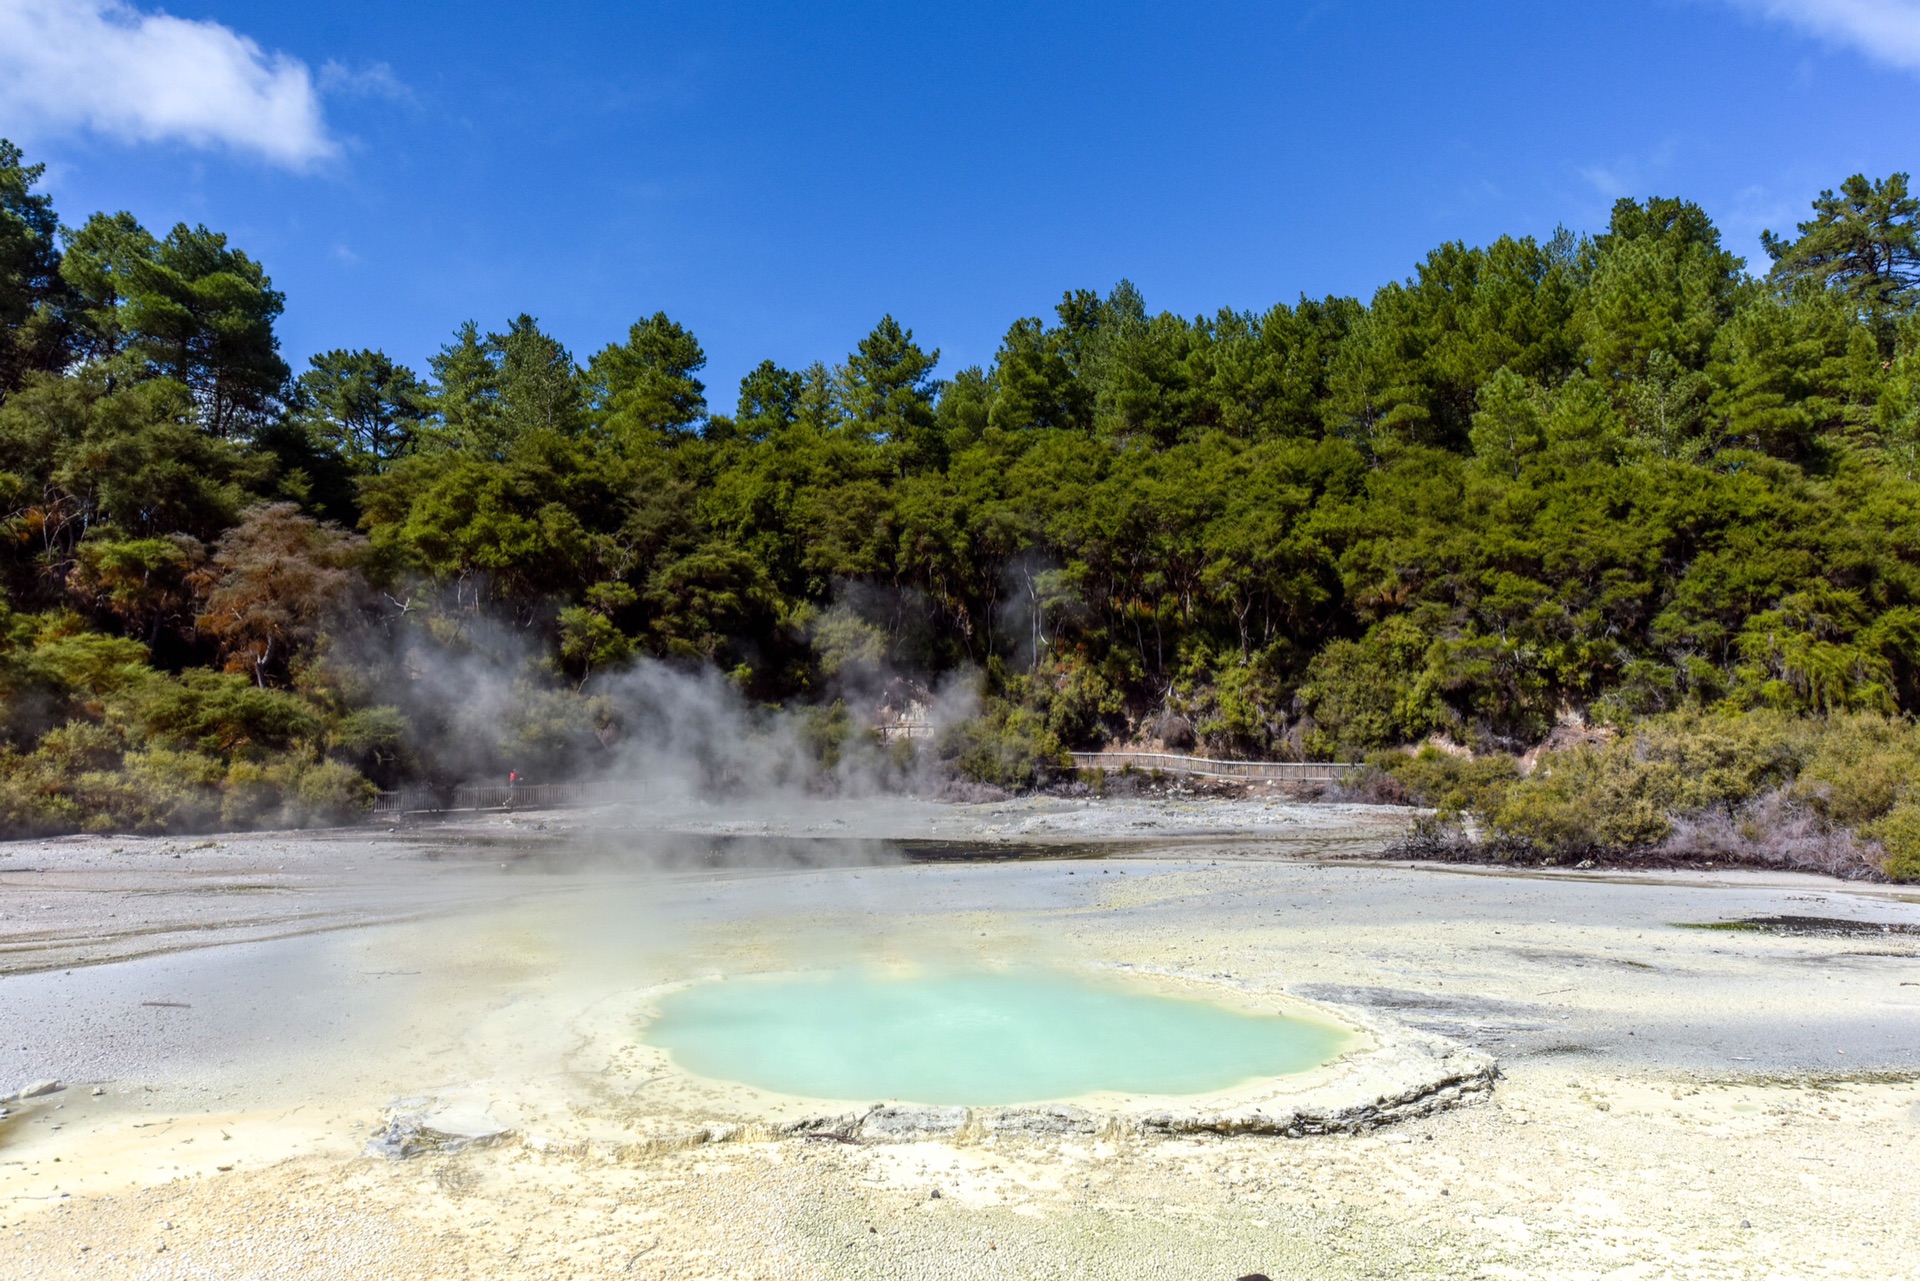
column 540, row 796
column 1202, row 767
column 498, row 796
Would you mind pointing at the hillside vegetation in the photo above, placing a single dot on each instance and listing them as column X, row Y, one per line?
column 1617, row 481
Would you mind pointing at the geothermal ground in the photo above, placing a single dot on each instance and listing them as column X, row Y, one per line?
column 406, row 1053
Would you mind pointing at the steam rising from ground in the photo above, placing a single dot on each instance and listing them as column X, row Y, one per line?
column 474, row 700
column 690, row 735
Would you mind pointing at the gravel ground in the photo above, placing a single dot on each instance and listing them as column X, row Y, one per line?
column 1675, row 1102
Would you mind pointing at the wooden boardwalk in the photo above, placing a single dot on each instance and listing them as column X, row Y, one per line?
column 1202, row 767
column 497, row 796
column 539, row 796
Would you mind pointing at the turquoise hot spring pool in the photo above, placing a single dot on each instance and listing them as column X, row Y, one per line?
column 979, row 1039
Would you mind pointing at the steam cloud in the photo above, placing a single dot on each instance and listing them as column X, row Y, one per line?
column 656, row 734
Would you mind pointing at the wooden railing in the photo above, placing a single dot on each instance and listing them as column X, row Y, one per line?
column 497, row 796
column 535, row 796
column 1256, row 771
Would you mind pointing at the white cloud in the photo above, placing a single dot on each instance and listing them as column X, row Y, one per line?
column 1607, row 182
column 148, row 77
column 1885, row 30
column 375, row 81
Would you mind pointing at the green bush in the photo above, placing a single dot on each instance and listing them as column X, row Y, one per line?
column 252, row 795
column 141, row 751
column 1898, row 832
column 1079, row 703
column 222, row 713
column 1249, row 704
column 1588, row 800
column 159, row 791
column 292, row 792
column 1452, row 784
column 86, row 665
column 374, row 740
column 1856, row 772
column 1371, row 693
column 78, row 746
column 824, row 731
column 1860, row 767
column 1006, row 745
column 32, row 802
column 1716, row 759
column 185, row 786
column 327, row 792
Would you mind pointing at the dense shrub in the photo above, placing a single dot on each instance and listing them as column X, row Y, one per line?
column 1452, row 783
column 1007, row 745
column 1839, row 793
column 1368, row 694
column 101, row 741
column 162, row 790
column 1898, row 832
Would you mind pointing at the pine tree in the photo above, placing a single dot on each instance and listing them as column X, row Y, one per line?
column 1863, row 241
column 33, row 326
column 363, row 406
column 467, row 400
column 647, row 385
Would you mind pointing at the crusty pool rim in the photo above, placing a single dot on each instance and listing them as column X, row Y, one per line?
column 1399, row 1073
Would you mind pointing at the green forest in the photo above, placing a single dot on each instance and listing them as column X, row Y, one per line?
column 1577, row 539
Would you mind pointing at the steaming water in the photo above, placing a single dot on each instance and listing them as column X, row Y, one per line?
column 978, row 1039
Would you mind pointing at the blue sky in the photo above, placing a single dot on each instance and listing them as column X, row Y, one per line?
column 778, row 176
